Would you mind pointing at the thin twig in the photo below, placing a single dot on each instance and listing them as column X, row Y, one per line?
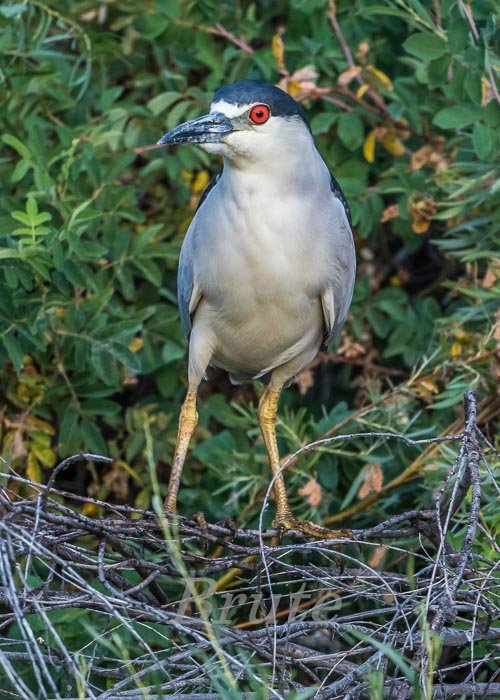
column 226, row 34
column 289, row 607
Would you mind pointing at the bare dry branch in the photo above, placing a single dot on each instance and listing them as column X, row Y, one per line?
column 158, row 619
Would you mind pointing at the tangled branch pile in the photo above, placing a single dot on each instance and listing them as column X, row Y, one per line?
column 154, row 608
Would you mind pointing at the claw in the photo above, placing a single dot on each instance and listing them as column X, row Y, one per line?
column 230, row 524
column 280, row 532
column 201, row 520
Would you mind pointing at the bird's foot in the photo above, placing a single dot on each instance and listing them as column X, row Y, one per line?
column 289, row 522
column 170, row 514
column 201, row 520
column 202, row 523
column 231, row 525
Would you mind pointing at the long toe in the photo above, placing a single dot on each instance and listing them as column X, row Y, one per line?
column 203, row 525
column 309, row 528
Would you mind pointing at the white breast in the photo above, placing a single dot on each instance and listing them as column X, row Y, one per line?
column 267, row 261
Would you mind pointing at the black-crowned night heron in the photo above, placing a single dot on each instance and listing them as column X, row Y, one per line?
column 267, row 267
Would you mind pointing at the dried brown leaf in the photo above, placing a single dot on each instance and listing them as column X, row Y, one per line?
column 373, row 480
column 348, row 75
column 430, row 156
column 312, row 492
column 421, row 212
column 362, row 52
column 305, row 380
column 420, row 157
column 278, row 49
column 487, row 93
column 116, row 480
column 497, row 327
column 490, row 278
column 377, row 557
column 302, row 84
column 350, row 348
column 19, row 450
column 390, row 212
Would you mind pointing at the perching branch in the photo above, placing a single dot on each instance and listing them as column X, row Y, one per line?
column 293, row 606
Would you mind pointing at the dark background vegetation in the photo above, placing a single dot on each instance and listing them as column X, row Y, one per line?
column 403, row 103
column 405, row 114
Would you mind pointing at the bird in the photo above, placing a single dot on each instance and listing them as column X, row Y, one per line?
column 267, row 266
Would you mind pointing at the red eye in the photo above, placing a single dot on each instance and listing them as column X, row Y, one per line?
column 260, row 114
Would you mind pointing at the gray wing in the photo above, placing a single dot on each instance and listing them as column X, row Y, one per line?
column 188, row 294
column 336, row 298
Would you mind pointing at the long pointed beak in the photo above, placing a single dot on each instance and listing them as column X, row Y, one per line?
column 207, row 129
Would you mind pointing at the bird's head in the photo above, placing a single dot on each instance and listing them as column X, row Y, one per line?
column 249, row 121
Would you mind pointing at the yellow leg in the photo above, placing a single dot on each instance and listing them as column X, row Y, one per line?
column 187, row 423
column 268, row 407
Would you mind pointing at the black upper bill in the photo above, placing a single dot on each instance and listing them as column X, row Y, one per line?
column 207, row 129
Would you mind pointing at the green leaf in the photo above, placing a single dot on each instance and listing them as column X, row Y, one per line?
column 150, row 25
column 17, row 145
column 458, row 34
column 42, row 217
column 350, row 130
column 22, row 217
column 210, row 450
column 170, row 8
column 120, row 330
column 456, row 117
column 149, row 269
column 483, row 139
column 13, row 350
column 322, row 123
column 172, row 351
column 218, row 407
column 491, row 113
column 128, row 358
column 101, row 407
column 438, row 71
column 79, row 209
column 160, row 103
column 425, row 46
column 473, row 87
column 353, row 489
column 385, row 10
column 92, row 438
column 20, row 170
column 13, row 10
column 380, row 324
column 40, row 266
column 328, row 472
column 104, row 364
column 9, row 253
column 108, row 97
column 76, row 274
column 68, row 428
column 31, row 208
